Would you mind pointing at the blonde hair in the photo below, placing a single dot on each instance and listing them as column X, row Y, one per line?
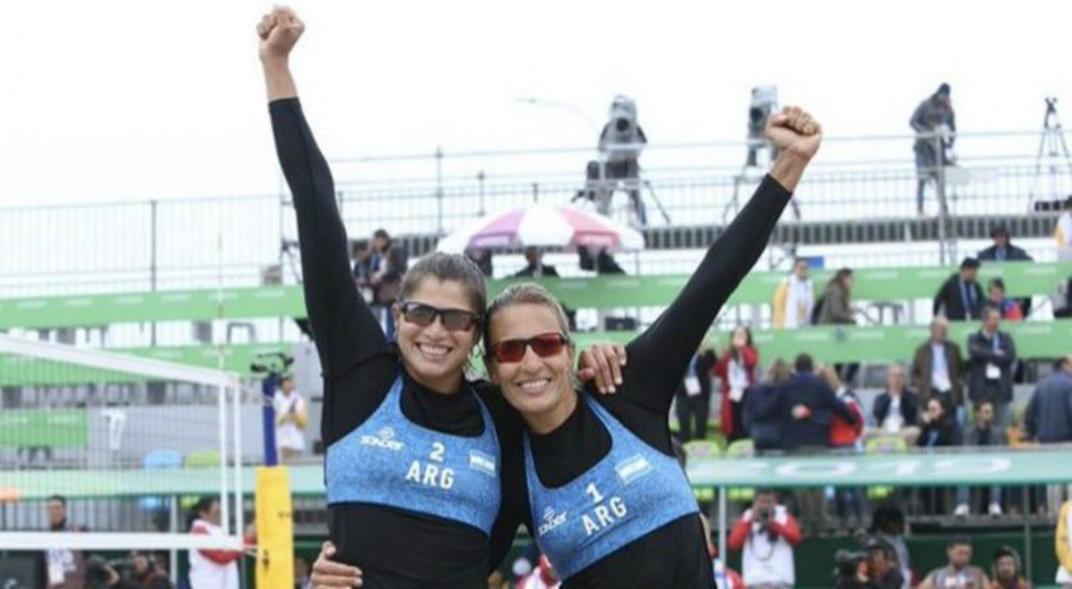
column 830, row 377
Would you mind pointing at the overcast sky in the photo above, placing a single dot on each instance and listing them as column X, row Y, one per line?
column 114, row 100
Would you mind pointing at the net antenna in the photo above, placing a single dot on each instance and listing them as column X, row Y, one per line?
column 131, row 443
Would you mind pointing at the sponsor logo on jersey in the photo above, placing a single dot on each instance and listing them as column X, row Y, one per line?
column 383, row 439
column 551, row 520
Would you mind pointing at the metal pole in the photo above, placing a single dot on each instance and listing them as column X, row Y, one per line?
column 480, row 177
column 439, row 189
column 722, row 523
column 152, row 263
column 1026, row 508
column 535, row 192
column 173, row 523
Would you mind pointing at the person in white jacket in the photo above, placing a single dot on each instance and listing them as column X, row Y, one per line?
column 1062, row 233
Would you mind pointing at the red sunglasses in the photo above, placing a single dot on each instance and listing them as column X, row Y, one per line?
column 513, row 350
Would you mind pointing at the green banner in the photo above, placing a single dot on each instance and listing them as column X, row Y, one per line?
column 1042, row 340
column 602, row 292
column 1046, row 466
column 57, row 428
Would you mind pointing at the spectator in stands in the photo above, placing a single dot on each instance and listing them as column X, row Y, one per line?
column 386, row 267
column 882, row 568
column 64, row 569
column 1062, row 232
column 736, row 368
column 933, row 115
column 983, row 433
column 959, row 573
column 1063, row 545
column 483, row 260
column 536, row 268
column 896, row 410
column 845, row 436
column 938, row 368
column 939, row 428
column 1048, row 419
column 767, row 533
column 693, row 400
column 144, row 574
column 362, row 259
column 1010, row 309
column 992, row 353
column 888, row 525
column 1006, row 569
column 809, row 406
column 601, row 261
column 762, row 410
column 211, row 569
column 1002, row 250
column 836, row 309
column 961, row 298
column 794, row 298
column 291, row 416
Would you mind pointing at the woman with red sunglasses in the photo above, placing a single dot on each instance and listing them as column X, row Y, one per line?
column 608, row 504
column 419, row 491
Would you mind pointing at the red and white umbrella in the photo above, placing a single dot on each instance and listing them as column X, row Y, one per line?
column 542, row 225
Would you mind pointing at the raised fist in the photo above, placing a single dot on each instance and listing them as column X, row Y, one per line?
column 278, row 30
column 795, row 132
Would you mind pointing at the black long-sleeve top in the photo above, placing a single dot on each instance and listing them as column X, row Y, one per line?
column 394, row 548
column 675, row 555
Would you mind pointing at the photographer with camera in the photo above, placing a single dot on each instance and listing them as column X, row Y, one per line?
column 767, row 534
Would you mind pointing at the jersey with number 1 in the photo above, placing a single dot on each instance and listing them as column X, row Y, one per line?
column 631, row 492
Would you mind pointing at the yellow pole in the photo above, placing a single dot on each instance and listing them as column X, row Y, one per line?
column 275, row 529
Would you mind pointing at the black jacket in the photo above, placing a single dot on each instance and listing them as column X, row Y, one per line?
column 530, row 270
column 949, row 301
column 1049, row 413
column 909, row 408
column 813, row 431
column 981, row 353
column 763, row 419
column 944, row 432
column 1012, row 254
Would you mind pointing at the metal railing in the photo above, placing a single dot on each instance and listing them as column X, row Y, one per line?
column 233, row 241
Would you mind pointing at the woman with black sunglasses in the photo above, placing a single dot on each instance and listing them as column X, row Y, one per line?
column 419, row 491
column 608, row 504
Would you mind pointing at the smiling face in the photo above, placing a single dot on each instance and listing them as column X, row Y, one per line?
column 434, row 355
column 538, row 387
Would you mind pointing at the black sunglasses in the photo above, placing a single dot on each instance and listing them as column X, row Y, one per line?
column 513, row 350
column 424, row 315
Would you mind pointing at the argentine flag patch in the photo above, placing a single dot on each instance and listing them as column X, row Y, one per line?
column 633, row 468
column 483, row 462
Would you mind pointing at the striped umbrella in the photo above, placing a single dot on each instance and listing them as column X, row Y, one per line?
column 542, row 225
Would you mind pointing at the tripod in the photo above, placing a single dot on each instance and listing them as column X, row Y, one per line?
column 1052, row 147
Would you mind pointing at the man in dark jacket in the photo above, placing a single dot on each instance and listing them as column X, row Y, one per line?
column 992, row 353
column 983, row 433
column 536, row 268
column 1003, row 250
column 1049, row 413
column 896, row 410
column 938, row 367
column 808, row 406
column 933, row 116
column 693, row 397
column 961, row 298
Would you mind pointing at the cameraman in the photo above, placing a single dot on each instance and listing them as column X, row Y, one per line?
column 852, row 571
column 767, row 534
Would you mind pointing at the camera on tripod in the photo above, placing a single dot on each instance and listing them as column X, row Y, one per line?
column 270, row 363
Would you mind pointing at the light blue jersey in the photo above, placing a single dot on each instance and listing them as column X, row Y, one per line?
column 633, row 491
column 389, row 460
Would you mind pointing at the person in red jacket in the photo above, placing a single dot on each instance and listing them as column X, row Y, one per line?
column 767, row 534
column 845, row 436
column 736, row 368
